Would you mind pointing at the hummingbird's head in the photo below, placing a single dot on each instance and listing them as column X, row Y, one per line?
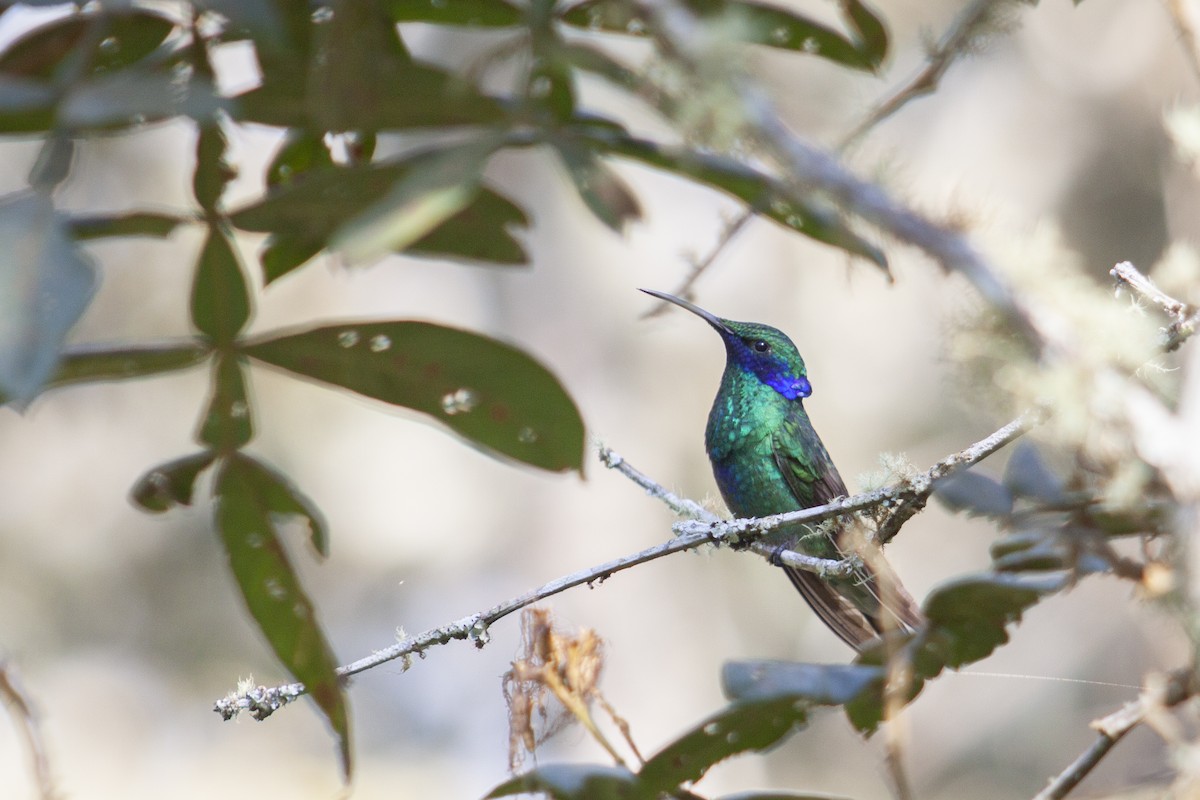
column 759, row 350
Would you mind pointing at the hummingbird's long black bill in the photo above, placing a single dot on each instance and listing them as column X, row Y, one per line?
column 710, row 318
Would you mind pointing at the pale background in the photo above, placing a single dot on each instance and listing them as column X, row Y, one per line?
column 126, row 627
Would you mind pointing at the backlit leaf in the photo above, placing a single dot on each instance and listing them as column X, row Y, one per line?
column 46, row 282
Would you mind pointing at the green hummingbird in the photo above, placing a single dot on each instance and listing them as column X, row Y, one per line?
column 767, row 459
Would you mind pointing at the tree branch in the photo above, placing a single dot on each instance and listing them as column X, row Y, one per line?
column 21, row 709
column 1185, row 319
column 679, row 32
column 1178, row 686
column 954, row 43
column 700, row 528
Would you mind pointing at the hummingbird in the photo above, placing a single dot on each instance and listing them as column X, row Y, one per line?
column 767, row 459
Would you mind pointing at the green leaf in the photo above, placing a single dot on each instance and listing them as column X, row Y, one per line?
column 170, row 484
column 128, row 38
column 1028, row 475
column 970, row 614
column 492, row 394
column 967, row 621
column 742, row 726
column 303, row 215
column 604, row 193
column 106, row 363
column 220, row 297
column 475, row 13
column 227, row 424
column 212, row 172
column 871, row 34
column 134, row 223
column 246, row 495
column 974, row 493
column 46, row 282
column 814, row 218
column 434, row 189
column 300, row 153
column 818, row 684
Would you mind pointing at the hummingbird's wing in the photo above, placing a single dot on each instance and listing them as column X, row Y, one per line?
column 852, row 609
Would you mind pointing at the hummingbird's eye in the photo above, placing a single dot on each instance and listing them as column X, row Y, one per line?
column 760, row 345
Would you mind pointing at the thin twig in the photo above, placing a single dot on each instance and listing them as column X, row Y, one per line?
column 21, row 710
column 923, row 484
column 728, row 234
column 700, row 527
column 1178, row 686
column 1185, row 319
column 808, row 168
column 954, row 43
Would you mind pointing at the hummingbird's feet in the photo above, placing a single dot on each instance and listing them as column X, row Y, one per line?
column 775, row 558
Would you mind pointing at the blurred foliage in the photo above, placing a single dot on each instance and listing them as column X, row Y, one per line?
column 336, row 77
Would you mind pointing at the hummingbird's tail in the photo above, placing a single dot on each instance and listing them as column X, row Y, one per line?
column 895, row 610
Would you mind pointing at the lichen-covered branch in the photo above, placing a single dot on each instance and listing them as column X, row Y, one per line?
column 1185, row 319
column 700, row 528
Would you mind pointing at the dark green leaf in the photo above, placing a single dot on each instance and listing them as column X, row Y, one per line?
column 134, row 223
column 573, row 782
column 750, row 22
column 742, row 726
column 46, row 282
column 103, row 363
column 432, row 191
column 970, row 614
column 422, row 97
column 245, row 493
column 227, row 424
column 283, row 252
column 815, row 219
column 220, row 297
column 818, row 684
column 1019, row 540
column 974, row 493
column 602, row 190
column 212, row 170
column 492, row 394
column 967, row 620
column 170, row 484
column 128, row 38
column 301, row 152
column 302, row 216
column 1028, row 475
column 872, row 35
column 476, row 13
column 551, row 90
